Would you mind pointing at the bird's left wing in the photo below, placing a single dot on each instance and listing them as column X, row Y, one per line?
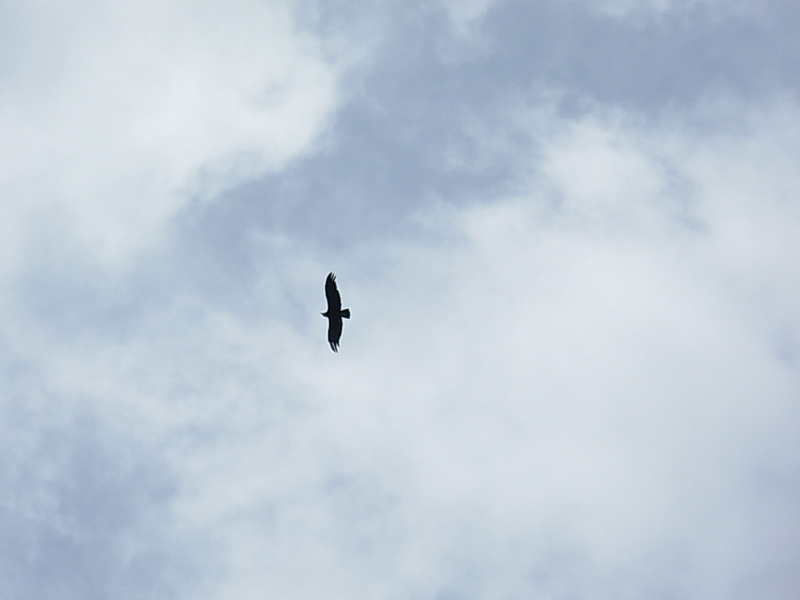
column 332, row 294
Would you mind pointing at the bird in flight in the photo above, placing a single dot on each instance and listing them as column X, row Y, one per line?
column 335, row 313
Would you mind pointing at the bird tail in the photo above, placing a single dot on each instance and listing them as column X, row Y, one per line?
column 345, row 313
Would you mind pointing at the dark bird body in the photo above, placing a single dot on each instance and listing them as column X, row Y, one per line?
column 335, row 312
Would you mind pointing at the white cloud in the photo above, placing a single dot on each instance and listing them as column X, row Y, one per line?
column 573, row 401
column 584, row 390
column 115, row 115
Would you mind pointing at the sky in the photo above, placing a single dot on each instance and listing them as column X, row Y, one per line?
column 567, row 233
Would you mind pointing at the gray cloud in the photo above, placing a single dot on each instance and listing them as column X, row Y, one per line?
column 405, row 120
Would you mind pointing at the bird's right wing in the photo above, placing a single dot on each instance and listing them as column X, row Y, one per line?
column 334, row 333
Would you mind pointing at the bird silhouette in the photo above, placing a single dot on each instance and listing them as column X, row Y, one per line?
column 335, row 312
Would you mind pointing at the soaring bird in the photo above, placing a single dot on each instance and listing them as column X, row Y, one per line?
column 335, row 312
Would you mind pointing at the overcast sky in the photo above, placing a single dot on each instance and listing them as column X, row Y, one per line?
column 568, row 234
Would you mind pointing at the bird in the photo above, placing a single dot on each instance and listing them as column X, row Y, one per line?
column 335, row 312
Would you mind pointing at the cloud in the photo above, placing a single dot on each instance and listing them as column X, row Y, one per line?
column 576, row 380
column 578, row 390
column 632, row 8
column 585, row 376
column 124, row 113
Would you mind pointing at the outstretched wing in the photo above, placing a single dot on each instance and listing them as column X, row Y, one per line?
column 334, row 300
column 334, row 333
